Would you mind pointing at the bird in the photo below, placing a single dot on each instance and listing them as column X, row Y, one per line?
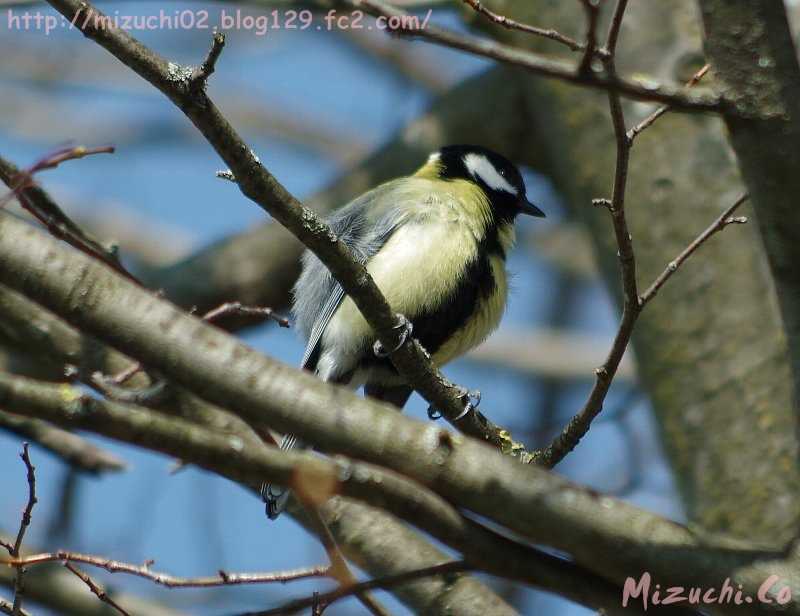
column 435, row 243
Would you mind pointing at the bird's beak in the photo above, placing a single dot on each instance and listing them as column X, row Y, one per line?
column 526, row 207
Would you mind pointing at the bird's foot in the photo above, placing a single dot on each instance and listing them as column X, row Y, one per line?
column 405, row 327
column 471, row 399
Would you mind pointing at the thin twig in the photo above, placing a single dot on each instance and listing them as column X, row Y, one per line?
column 724, row 219
column 506, row 22
column 592, row 8
column 615, row 27
column 239, row 310
column 101, row 594
column 39, row 204
column 650, row 120
column 223, row 578
column 24, row 523
column 201, row 74
column 579, row 425
column 339, row 569
column 385, row 583
column 633, row 304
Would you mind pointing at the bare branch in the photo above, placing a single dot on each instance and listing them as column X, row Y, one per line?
column 615, row 27
column 677, row 97
column 237, row 309
column 71, row 448
column 649, row 120
column 201, row 74
column 471, row 476
column 223, row 578
column 14, row 550
column 339, row 569
column 39, row 204
column 633, row 304
column 99, row 592
column 385, row 583
column 225, row 455
column 411, row 360
column 725, row 219
column 592, row 8
column 504, row 21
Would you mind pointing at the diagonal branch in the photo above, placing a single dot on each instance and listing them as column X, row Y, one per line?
column 96, row 589
column 255, row 182
column 530, row 501
column 198, row 445
column 385, row 583
column 39, row 204
column 510, row 24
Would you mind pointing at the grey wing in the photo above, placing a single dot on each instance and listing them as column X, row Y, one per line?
column 365, row 225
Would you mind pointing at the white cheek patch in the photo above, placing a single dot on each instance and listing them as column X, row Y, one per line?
column 480, row 168
column 433, row 158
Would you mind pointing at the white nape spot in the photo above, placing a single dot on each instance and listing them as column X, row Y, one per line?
column 480, row 168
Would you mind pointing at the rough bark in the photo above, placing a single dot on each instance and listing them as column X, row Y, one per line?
column 604, row 535
column 52, row 340
column 751, row 48
column 710, row 348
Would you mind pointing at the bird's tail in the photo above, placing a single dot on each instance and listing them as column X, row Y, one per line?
column 275, row 497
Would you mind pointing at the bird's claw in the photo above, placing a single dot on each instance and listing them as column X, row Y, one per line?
column 405, row 326
column 471, row 399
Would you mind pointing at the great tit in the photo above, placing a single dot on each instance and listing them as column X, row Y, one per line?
column 435, row 243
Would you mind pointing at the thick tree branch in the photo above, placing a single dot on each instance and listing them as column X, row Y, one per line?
column 605, row 535
column 57, row 342
column 751, row 48
column 227, row 457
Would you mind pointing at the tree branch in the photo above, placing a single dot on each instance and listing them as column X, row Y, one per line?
column 632, row 304
column 248, row 466
column 255, row 182
column 71, row 448
column 390, row 581
column 14, row 550
column 39, row 204
column 96, row 590
column 504, row 21
column 753, row 52
column 679, row 98
column 605, row 536
column 223, row 578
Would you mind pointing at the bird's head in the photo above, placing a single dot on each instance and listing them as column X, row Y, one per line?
column 498, row 177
